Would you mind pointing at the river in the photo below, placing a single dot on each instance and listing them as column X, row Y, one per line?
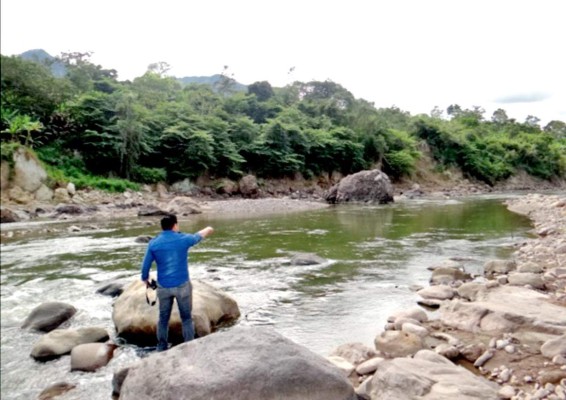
column 374, row 255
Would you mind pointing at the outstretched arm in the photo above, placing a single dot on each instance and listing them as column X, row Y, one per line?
column 206, row 231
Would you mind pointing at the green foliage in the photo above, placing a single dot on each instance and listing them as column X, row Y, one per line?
column 29, row 88
column 7, row 150
column 149, row 175
column 88, row 126
column 401, row 155
column 63, row 167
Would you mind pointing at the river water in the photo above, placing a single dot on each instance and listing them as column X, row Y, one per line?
column 374, row 255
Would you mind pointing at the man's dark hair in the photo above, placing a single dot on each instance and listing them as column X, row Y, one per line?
column 168, row 222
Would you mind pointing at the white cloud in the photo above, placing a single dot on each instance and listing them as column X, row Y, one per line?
column 412, row 53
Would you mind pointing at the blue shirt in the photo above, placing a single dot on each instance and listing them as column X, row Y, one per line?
column 169, row 250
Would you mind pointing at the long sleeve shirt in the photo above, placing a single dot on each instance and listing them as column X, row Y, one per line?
column 169, row 250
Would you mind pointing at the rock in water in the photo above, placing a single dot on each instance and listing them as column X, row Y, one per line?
column 364, row 187
column 48, row 316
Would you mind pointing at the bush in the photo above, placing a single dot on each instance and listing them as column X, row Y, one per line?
column 7, row 150
column 399, row 163
column 149, row 175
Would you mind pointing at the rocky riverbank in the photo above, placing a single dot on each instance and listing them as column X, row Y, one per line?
column 501, row 335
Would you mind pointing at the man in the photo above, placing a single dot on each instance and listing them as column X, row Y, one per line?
column 169, row 250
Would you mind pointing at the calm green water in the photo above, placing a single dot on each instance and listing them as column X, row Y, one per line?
column 374, row 254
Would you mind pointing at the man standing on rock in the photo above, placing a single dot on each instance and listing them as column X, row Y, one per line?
column 169, row 250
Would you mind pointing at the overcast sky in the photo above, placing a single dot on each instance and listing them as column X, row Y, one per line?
column 414, row 54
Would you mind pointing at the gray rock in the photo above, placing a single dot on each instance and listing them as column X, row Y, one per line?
column 528, row 308
column 61, row 341
column 398, row 344
column 48, row 316
column 19, row 195
column 136, row 321
column 307, row 259
column 8, row 216
column 183, row 206
column 365, row 186
column 71, row 189
column 554, row 347
column 415, row 313
column 530, row 267
column 439, row 292
column 355, row 353
column 470, row 290
column 61, row 195
column 43, row 194
column 418, row 330
column 112, row 289
column 446, row 275
column 446, row 350
column 244, row 363
column 369, row 366
column 73, row 209
column 143, row 239
column 89, row 357
column 248, row 186
column 428, row 376
column 152, row 211
column 28, row 172
column 526, row 278
column 497, row 267
column 342, row 364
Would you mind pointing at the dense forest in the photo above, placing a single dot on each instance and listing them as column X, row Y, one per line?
column 91, row 128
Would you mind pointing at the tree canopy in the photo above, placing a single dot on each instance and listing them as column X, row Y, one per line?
column 157, row 128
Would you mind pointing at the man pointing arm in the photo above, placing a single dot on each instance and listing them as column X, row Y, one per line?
column 169, row 250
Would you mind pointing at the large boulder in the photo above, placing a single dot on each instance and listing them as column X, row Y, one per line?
column 183, row 206
column 61, row 341
column 365, row 186
column 48, row 316
column 427, row 376
column 244, row 363
column 248, row 186
column 136, row 321
column 503, row 309
column 28, row 172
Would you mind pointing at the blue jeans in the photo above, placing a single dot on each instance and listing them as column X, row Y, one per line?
column 184, row 296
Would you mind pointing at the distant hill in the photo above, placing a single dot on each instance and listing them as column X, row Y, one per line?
column 210, row 80
column 40, row 56
column 58, row 69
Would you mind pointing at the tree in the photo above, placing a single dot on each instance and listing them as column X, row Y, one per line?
column 160, row 68
column 499, row 116
column 131, row 130
column 20, row 127
column 556, row 129
column 30, row 89
column 225, row 83
column 262, row 90
column 532, row 121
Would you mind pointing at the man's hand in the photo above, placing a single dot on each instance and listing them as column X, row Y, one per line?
column 206, row 231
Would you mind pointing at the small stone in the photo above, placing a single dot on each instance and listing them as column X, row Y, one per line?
column 510, row 349
column 506, row 392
